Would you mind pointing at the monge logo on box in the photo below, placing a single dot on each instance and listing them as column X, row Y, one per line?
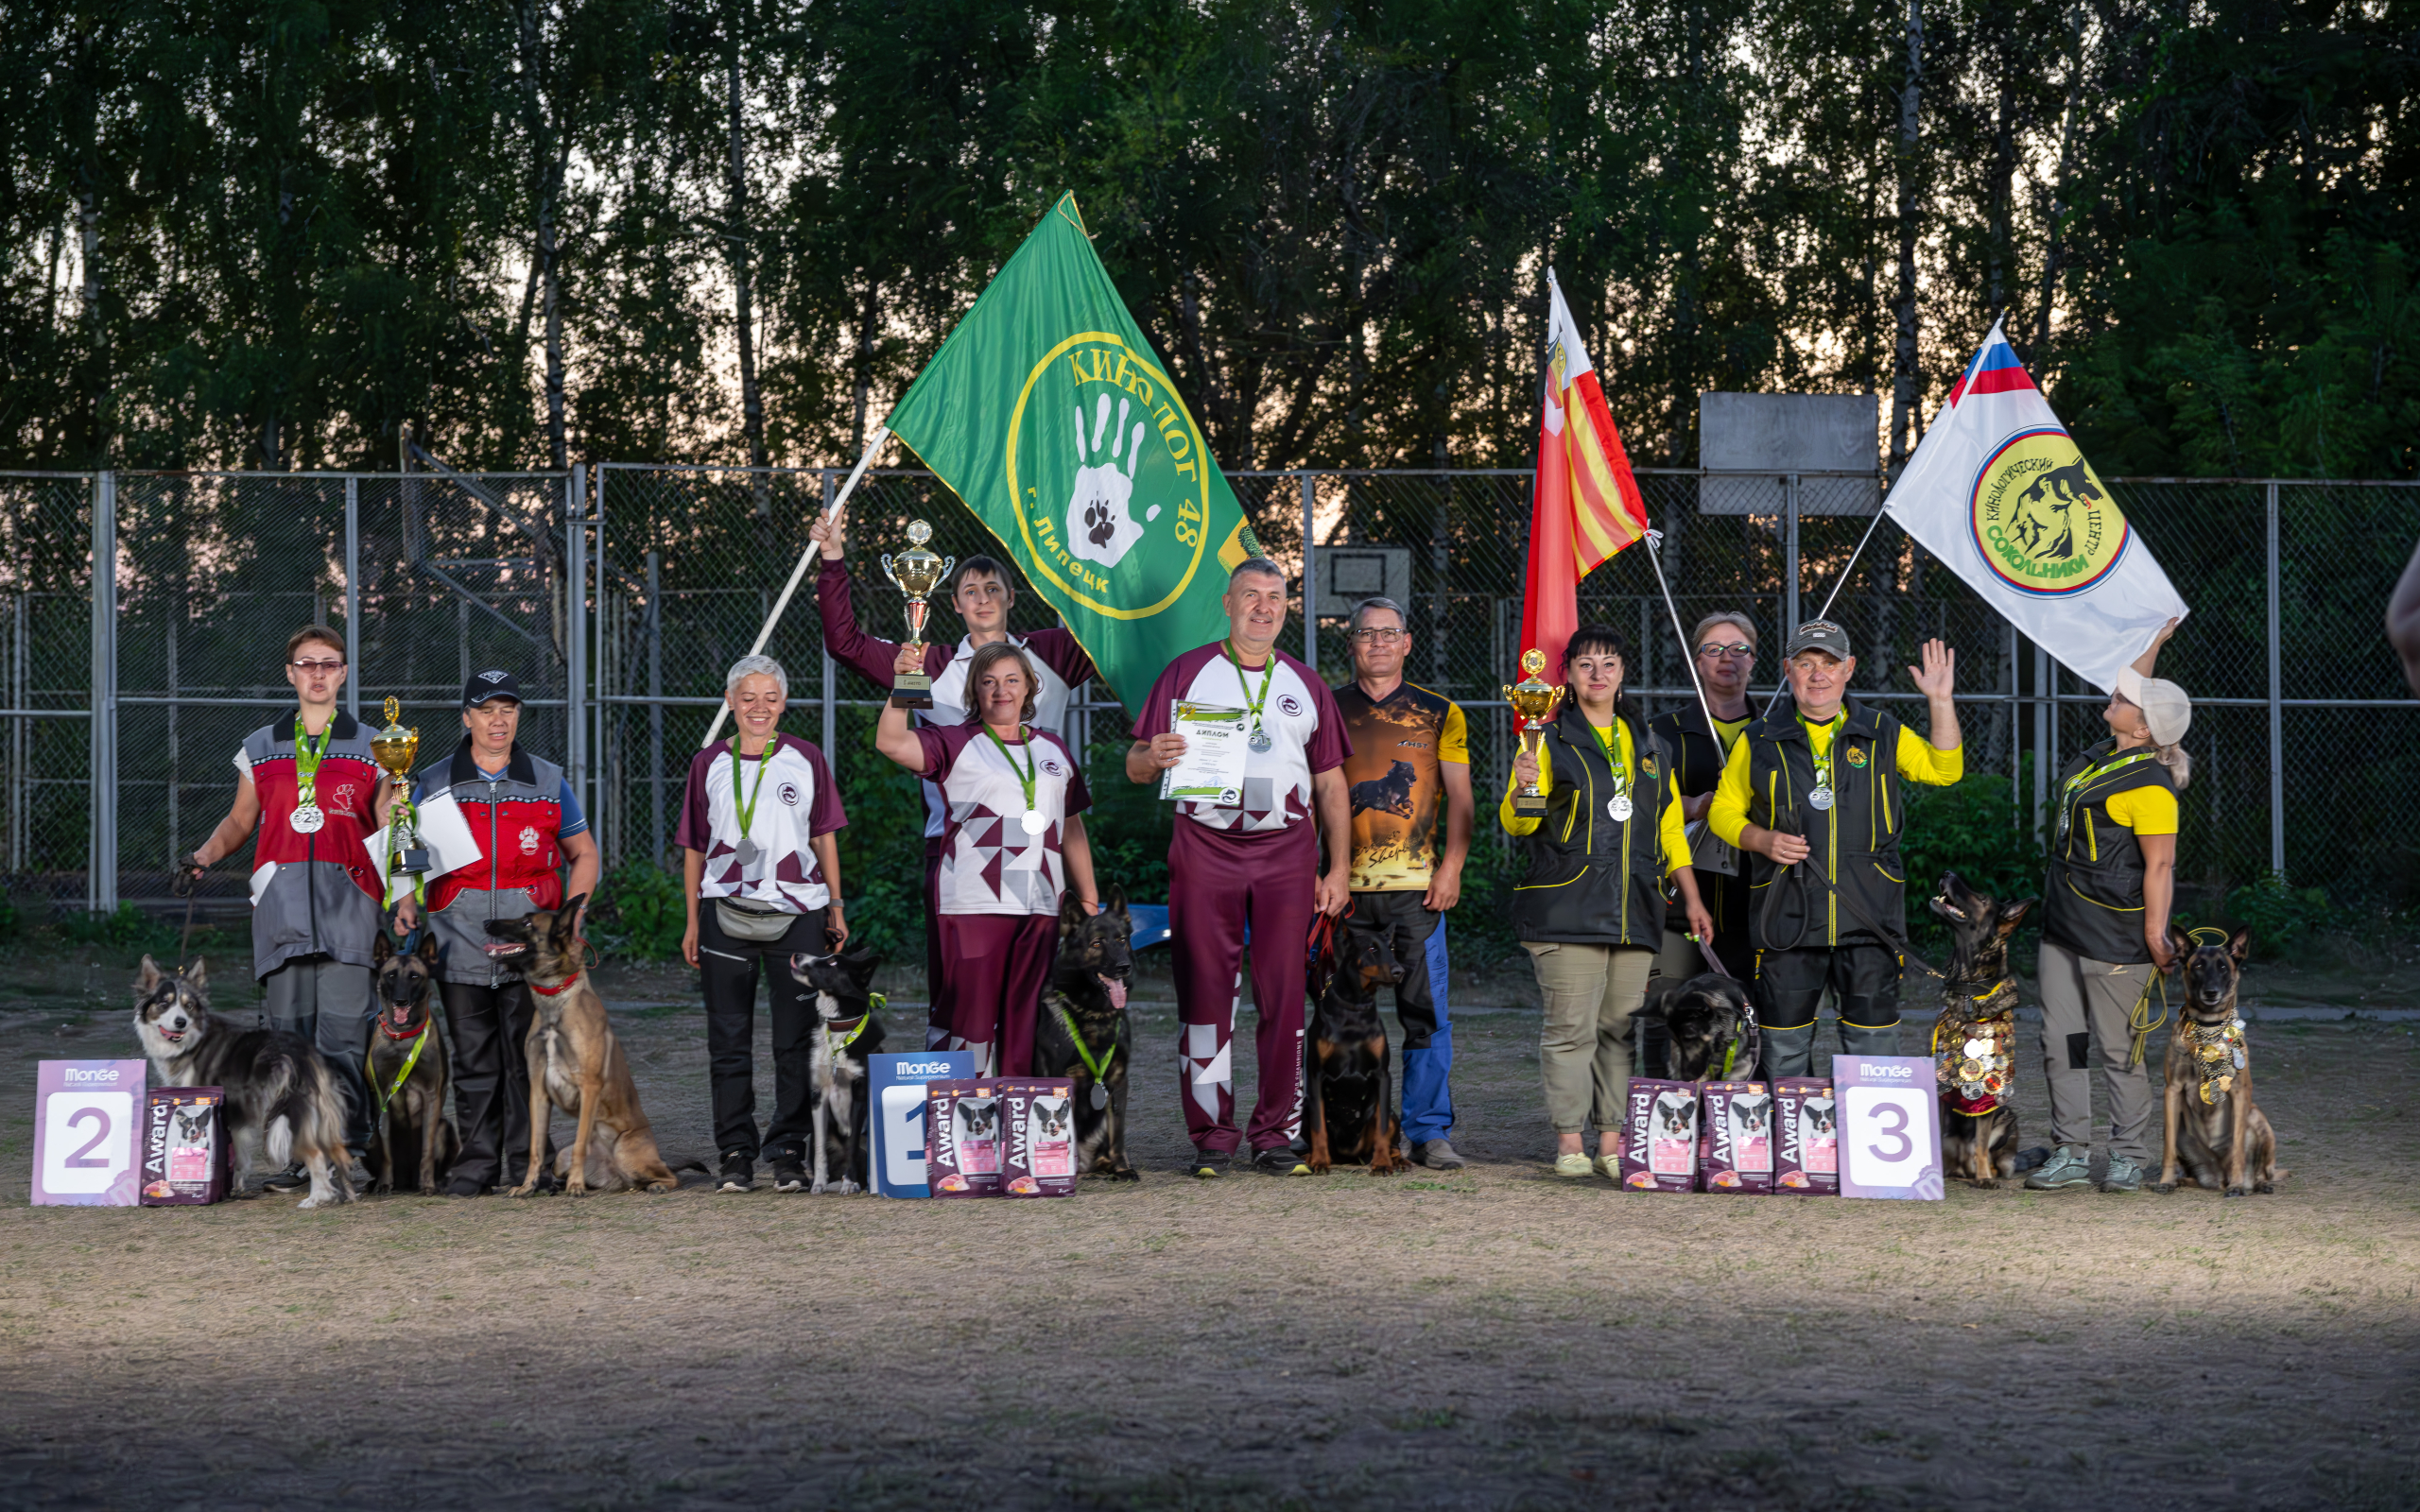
column 1871, row 1073
column 98, row 1074
column 912, row 1068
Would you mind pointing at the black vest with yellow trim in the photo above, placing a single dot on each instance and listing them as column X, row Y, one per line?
column 1593, row 880
column 1697, row 767
column 2093, row 896
column 1855, row 840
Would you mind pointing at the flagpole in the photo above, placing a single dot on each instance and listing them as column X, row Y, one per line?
column 1838, row 584
column 1655, row 554
column 813, row 549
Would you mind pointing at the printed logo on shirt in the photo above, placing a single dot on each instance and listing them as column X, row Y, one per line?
column 528, row 840
column 340, row 801
column 1647, row 764
column 789, row 794
column 1050, row 764
column 1856, row 756
column 1289, row 705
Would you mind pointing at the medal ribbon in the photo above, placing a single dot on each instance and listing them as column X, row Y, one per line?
column 1824, row 762
column 307, row 750
column 1268, row 672
column 1032, row 763
column 747, row 806
column 1613, row 759
column 1101, row 1067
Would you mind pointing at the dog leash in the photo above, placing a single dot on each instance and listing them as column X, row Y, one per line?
column 1896, row 938
column 188, row 886
column 875, row 1002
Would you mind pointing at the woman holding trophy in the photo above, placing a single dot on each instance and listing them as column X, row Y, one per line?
column 1592, row 794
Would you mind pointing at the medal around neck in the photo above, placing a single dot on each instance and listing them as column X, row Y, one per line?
column 396, row 746
column 307, row 818
column 916, row 573
column 1031, row 822
column 1820, row 797
column 1619, row 808
column 1258, row 740
column 1534, row 699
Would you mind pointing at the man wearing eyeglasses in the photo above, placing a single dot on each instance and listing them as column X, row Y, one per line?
column 1409, row 767
column 1725, row 654
column 310, row 789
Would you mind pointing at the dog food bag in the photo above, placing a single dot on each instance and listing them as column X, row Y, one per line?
column 1660, row 1140
column 962, row 1137
column 184, row 1147
column 1807, row 1137
column 1038, row 1120
column 1736, row 1139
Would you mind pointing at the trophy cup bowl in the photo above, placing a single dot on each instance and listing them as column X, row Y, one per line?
column 916, row 573
column 1534, row 699
column 394, row 747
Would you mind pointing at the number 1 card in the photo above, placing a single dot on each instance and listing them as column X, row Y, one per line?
column 85, row 1117
column 1889, row 1121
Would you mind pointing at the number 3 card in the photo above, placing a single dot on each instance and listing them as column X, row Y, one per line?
column 1889, row 1115
column 85, row 1113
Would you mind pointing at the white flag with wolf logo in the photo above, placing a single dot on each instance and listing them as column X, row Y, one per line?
column 1999, row 490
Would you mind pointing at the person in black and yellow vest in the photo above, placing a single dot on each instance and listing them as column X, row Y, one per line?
column 1724, row 650
column 1813, row 791
column 2104, row 923
column 1590, row 909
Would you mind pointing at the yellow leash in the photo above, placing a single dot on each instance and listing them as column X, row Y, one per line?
column 2206, row 934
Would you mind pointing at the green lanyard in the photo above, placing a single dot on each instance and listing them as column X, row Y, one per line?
column 1268, row 672
column 307, row 750
column 1824, row 762
column 747, row 806
column 2091, row 774
column 1032, row 763
column 1621, row 768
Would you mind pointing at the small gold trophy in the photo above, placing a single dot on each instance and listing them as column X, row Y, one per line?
column 396, row 746
column 916, row 573
column 1534, row 699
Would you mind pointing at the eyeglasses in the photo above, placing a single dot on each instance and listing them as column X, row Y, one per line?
column 1735, row 648
column 1379, row 637
column 307, row 668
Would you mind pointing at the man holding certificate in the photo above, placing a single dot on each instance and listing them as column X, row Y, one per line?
column 1248, row 744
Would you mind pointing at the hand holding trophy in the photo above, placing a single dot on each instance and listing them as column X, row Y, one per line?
column 1534, row 699
column 916, row 573
column 394, row 747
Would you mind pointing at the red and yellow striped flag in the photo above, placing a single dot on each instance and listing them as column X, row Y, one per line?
column 1586, row 505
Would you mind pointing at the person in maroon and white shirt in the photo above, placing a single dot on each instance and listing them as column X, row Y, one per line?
column 1257, row 864
column 762, row 875
column 1013, row 839
column 980, row 592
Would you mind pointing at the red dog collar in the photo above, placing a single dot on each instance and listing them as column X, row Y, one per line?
column 553, row 991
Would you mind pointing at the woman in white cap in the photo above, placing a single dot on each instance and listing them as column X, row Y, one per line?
column 2104, row 923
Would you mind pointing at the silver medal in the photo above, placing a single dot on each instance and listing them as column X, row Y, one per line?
column 1031, row 822
column 1100, row 1096
column 307, row 819
column 1259, row 740
column 1618, row 808
column 1820, row 797
column 747, row 852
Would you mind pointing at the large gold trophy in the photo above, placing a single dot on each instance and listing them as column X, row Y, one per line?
column 916, row 573
column 1534, row 699
column 394, row 747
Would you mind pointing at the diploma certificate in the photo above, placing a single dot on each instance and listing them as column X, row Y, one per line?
column 1212, row 768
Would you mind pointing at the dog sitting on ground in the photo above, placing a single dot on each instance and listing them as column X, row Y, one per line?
column 1974, row 1039
column 2215, row 1132
column 575, row 1062
column 412, row 1131
column 1348, row 1080
column 1711, row 1025
column 1390, row 793
column 1084, row 1019
column 282, row 1099
column 850, row 1030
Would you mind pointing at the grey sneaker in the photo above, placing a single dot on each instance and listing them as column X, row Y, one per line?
column 2070, row 1167
column 1437, row 1155
column 2124, row 1176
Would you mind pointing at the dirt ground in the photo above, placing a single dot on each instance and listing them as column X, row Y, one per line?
column 1493, row 1339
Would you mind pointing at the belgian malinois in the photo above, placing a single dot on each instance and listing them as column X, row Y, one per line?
column 414, row 1130
column 2213, row 1130
column 575, row 1062
column 1974, row 1039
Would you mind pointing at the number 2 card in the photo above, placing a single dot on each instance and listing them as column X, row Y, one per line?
column 1890, row 1126
column 85, row 1117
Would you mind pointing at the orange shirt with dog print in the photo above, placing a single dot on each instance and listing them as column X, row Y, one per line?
column 1392, row 781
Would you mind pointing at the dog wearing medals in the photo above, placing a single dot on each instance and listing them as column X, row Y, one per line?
column 1974, row 1040
column 2214, row 1133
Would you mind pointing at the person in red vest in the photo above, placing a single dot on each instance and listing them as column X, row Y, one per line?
column 527, row 821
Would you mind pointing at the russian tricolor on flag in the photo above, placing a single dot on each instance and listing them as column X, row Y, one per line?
column 1585, row 505
column 1995, row 371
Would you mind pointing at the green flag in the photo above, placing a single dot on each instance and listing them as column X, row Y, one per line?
column 1047, row 412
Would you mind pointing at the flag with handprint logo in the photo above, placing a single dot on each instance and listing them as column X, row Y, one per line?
column 1047, row 412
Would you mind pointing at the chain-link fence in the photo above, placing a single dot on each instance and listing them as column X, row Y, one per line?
column 2303, row 736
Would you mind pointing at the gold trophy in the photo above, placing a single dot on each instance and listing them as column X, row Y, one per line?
column 1534, row 699
column 916, row 573
column 396, row 746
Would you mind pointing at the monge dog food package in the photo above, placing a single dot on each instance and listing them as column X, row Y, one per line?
column 962, row 1137
column 1807, row 1137
column 1735, row 1149
column 1039, row 1120
column 1660, row 1145
column 184, row 1147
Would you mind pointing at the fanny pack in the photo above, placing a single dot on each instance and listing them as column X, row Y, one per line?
column 758, row 926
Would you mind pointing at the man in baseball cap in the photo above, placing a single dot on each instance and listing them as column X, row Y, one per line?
column 494, row 683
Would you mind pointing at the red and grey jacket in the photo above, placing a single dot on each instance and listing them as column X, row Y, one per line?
column 517, row 819
column 315, row 893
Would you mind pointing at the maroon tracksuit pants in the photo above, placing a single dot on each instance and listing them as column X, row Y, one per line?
column 993, row 969
column 1217, row 882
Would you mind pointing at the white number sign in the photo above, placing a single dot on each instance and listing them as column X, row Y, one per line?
column 86, row 1131
column 1890, row 1126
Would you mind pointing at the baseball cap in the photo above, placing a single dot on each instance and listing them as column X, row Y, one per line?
column 494, row 683
column 2164, row 705
column 1819, row 635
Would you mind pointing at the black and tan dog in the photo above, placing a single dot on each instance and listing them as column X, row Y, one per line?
column 575, row 1062
column 850, row 1031
column 2214, row 1133
column 1348, row 1078
column 1085, row 1033
column 408, row 1070
column 1390, row 793
column 1712, row 1029
column 1974, row 1037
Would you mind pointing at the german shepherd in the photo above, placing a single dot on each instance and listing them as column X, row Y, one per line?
column 1348, row 1081
column 1977, row 1006
column 2214, row 1131
column 1088, row 986
column 849, row 1032
column 1709, row 1021
column 282, row 1099
column 575, row 1062
column 414, row 1130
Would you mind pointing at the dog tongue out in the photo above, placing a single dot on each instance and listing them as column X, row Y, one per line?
column 1115, row 988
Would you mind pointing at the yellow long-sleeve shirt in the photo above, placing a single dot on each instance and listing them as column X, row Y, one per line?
column 1919, row 761
column 1668, row 824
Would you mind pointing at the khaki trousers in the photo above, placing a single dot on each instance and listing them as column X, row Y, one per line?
column 1583, row 1045
column 2085, row 1004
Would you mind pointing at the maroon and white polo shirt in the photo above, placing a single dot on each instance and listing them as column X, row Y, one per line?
column 794, row 800
column 1305, row 729
column 989, row 864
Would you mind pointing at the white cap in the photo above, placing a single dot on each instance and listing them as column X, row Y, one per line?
column 2165, row 707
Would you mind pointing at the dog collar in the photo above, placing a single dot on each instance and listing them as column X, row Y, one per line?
column 856, row 1027
column 553, row 991
column 413, row 1034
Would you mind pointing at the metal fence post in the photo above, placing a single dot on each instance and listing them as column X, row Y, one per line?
column 1310, row 577
column 2276, row 707
column 654, row 621
column 576, row 632
column 2046, row 723
column 100, row 882
column 353, row 595
column 1790, row 538
column 830, row 677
